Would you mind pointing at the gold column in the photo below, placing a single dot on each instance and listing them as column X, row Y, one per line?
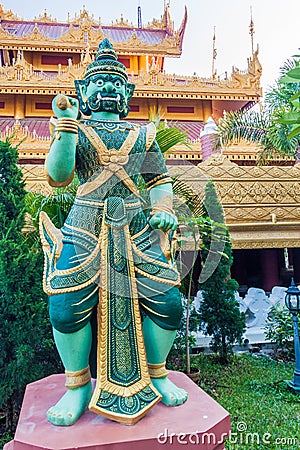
column 207, row 109
column 142, row 63
column 19, row 106
column 135, row 64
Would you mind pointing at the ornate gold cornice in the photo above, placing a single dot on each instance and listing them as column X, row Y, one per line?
column 261, row 204
column 24, row 77
column 279, row 235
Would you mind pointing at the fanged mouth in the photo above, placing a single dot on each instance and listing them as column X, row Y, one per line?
column 117, row 98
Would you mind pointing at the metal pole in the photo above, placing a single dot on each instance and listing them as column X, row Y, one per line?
column 297, row 351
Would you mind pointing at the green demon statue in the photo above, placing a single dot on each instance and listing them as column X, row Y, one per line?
column 112, row 285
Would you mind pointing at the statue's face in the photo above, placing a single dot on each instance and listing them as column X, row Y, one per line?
column 107, row 92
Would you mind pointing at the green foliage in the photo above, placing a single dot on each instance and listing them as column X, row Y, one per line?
column 57, row 205
column 292, row 115
column 219, row 312
column 272, row 128
column 167, row 136
column 4, row 438
column 26, row 351
column 279, row 329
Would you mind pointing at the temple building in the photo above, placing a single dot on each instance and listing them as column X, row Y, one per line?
column 40, row 58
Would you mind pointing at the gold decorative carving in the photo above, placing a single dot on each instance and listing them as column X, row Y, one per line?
column 85, row 19
column 34, row 176
column 279, row 235
column 45, row 17
column 251, row 78
column 7, row 15
column 18, row 134
column 122, row 23
column 85, row 32
column 4, row 34
column 36, row 35
column 156, row 24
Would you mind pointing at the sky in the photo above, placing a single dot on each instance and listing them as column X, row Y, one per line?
column 276, row 26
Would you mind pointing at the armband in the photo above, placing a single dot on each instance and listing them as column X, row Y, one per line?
column 65, row 124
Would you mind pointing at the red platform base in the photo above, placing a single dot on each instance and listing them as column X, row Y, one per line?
column 199, row 423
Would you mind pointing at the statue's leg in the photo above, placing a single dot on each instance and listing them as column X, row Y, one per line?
column 74, row 349
column 70, row 315
column 158, row 343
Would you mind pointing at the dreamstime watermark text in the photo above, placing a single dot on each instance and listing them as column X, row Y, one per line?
column 241, row 436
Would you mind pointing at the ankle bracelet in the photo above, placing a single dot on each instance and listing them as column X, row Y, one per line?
column 158, row 370
column 77, row 379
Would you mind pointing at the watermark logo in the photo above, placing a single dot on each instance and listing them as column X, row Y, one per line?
column 241, row 437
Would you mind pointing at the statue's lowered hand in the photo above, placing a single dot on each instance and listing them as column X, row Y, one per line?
column 164, row 221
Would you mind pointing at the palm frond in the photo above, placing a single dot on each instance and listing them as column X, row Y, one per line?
column 186, row 202
column 169, row 137
column 288, row 65
column 251, row 126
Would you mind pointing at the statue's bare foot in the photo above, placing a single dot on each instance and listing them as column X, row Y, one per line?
column 71, row 406
column 171, row 394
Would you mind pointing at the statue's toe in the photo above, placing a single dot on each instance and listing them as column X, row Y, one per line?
column 171, row 394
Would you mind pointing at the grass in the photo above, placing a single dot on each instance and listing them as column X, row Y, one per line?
column 265, row 414
column 4, row 439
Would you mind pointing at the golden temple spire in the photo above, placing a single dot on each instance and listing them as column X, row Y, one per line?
column 214, row 55
column 251, row 32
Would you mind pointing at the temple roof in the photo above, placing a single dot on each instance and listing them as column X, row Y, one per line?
column 40, row 126
column 158, row 37
column 57, row 30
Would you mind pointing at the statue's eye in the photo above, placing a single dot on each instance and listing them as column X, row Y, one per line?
column 100, row 83
column 118, row 84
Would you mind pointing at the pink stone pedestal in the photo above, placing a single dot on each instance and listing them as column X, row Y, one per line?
column 199, row 423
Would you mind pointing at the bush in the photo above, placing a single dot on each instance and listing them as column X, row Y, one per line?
column 279, row 329
column 219, row 312
column 27, row 351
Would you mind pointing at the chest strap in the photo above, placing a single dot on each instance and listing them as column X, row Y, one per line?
column 112, row 161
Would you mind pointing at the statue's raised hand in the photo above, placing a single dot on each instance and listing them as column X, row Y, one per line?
column 64, row 106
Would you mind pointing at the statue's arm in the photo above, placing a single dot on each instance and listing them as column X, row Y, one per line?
column 162, row 215
column 159, row 184
column 60, row 162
